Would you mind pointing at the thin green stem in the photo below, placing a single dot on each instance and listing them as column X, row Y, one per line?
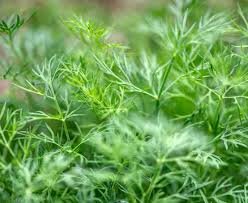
column 164, row 79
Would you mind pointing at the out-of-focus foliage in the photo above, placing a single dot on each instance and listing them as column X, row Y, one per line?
column 149, row 108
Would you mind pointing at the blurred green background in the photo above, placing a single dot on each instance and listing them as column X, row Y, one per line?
column 109, row 6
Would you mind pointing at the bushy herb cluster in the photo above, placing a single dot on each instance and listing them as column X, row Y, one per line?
column 159, row 118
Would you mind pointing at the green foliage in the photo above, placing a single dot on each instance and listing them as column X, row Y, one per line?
column 162, row 121
column 10, row 26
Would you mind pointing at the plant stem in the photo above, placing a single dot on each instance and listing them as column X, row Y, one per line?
column 164, row 79
column 12, row 47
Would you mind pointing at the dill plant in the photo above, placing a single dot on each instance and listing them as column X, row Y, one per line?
column 164, row 120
